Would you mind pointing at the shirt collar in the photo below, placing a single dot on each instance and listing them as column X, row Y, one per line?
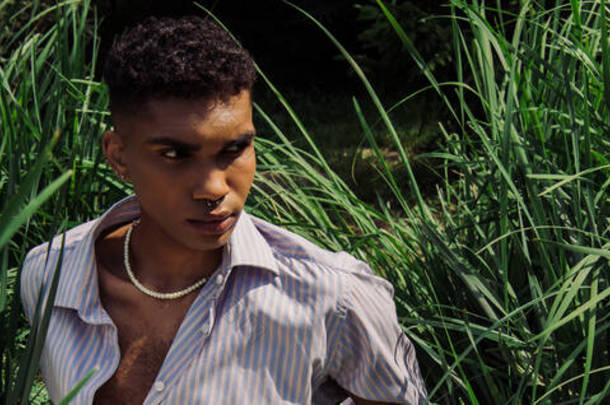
column 78, row 284
column 247, row 247
column 78, row 281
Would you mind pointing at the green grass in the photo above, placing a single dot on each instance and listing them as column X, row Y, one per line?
column 333, row 125
column 502, row 279
column 51, row 173
column 499, row 252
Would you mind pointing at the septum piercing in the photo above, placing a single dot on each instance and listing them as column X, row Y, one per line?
column 211, row 204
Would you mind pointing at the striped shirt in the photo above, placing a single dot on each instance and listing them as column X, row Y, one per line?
column 280, row 321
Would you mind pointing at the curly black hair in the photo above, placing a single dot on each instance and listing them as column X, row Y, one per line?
column 189, row 57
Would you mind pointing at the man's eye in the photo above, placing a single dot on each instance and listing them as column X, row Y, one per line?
column 235, row 149
column 171, row 154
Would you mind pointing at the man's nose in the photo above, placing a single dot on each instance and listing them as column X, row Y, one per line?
column 210, row 183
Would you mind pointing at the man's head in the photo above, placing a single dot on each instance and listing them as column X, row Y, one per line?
column 183, row 132
column 189, row 58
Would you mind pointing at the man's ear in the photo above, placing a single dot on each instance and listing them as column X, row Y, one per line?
column 114, row 149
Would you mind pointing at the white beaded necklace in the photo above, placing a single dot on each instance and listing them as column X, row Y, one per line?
column 161, row 296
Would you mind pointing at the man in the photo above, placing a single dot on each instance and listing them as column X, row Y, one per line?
column 176, row 295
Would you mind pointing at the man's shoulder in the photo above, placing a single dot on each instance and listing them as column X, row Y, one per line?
column 294, row 250
column 41, row 261
column 69, row 239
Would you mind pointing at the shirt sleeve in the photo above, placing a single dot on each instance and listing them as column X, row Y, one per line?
column 372, row 358
column 31, row 281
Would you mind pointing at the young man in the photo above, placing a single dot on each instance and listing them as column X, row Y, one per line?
column 176, row 295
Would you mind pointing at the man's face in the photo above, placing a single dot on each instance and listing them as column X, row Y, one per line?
column 179, row 153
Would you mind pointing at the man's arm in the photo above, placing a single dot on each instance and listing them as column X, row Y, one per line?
column 32, row 273
column 372, row 359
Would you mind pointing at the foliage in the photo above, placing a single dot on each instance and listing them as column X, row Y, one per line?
column 48, row 100
column 502, row 279
column 387, row 55
column 501, row 276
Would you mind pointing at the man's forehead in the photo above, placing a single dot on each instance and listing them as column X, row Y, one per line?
column 160, row 108
column 170, row 105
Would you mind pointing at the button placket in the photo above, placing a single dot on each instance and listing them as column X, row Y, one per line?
column 213, row 292
column 219, row 280
column 207, row 327
column 158, row 392
column 159, row 386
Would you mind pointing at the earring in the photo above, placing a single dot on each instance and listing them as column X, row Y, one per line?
column 121, row 176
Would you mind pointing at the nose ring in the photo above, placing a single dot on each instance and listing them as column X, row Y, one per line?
column 209, row 205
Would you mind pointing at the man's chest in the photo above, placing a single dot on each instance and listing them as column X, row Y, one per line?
column 143, row 346
column 234, row 345
column 145, row 328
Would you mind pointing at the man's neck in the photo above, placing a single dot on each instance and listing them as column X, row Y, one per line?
column 162, row 262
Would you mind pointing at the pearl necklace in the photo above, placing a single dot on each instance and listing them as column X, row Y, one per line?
column 158, row 295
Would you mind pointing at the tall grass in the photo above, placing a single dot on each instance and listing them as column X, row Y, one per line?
column 51, row 175
column 501, row 277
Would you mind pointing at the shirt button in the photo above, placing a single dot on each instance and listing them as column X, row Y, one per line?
column 206, row 329
column 219, row 279
column 159, row 386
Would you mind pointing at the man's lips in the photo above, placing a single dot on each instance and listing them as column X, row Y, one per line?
column 211, row 217
column 215, row 224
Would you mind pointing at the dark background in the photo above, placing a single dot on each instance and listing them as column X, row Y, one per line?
column 291, row 49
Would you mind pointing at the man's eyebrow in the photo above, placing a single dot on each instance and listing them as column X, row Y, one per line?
column 166, row 141
column 193, row 147
column 245, row 137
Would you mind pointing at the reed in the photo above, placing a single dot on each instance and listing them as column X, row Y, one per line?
column 51, row 173
column 501, row 278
